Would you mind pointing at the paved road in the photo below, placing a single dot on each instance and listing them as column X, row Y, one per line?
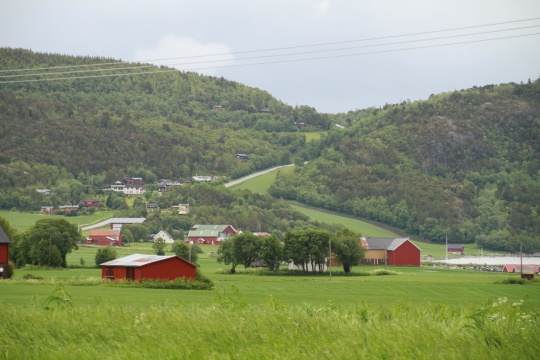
column 251, row 176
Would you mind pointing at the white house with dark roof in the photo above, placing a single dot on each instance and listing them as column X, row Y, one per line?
column 165, row 236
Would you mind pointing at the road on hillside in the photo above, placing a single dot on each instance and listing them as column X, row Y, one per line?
column 251, row 176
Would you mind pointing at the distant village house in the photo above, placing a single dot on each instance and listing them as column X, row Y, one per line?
column 92, row 202
column 165, row 236
column 128, row 186
column 105, row 237
column 68, row 208
column 152, row 207
column 183, row 209
column 204, row 178
column 46, row 209
column 456, row 248
column 210, row 234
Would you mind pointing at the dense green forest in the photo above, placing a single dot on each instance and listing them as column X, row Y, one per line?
column 163, row 122
column 463, row 164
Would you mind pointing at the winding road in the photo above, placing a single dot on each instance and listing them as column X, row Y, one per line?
column 251, row 176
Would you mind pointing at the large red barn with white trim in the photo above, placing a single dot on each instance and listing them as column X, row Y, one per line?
column 210, row 234
column 393, row 251
column 140, row 266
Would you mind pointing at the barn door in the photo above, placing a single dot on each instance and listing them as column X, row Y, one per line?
column 109, row 273
column 130, row 273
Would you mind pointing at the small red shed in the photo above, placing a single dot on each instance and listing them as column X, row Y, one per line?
column 4, row 249
column 142, row 266
column 395, row 251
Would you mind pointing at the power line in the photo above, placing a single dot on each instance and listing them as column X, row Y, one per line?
column 271, row 62
column 283, row 48
column 273, row 55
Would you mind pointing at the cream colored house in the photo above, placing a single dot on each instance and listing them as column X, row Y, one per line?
column 165, row 236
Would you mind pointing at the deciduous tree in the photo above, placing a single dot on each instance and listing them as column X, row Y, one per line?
column 105, row 254
column 346, row 244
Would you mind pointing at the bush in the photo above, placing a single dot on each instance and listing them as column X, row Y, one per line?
column 176, row 284
column 383, row 272
column 518, row 281
column 105, row 254
column 9, row 270
column 32, row 277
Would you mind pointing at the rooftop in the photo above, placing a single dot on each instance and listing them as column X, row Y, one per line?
column 138, row 260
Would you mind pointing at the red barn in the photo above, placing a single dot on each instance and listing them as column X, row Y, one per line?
column 393, row 251
column 105, row 237
column 516, row 268
column 140, row 266
column 210, row 234
column 4, row 256
column 456, row 248
column 92, row 202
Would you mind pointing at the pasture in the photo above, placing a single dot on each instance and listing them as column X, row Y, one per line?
column 260, row 184
column 420, row 313
column 411, row 284
column 23, row 220
column 312, row 135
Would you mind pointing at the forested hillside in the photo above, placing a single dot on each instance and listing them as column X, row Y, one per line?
column 463, row 164
column 164, row 122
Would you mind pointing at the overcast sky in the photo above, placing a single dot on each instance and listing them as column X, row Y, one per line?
column 351, row 72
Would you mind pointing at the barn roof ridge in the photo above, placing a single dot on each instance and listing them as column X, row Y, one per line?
column 375, row 243
column 138, row 260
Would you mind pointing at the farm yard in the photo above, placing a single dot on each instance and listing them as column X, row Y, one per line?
column 411, row 313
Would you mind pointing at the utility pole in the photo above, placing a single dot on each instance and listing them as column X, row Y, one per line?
column 521, row 258
column 49, row 252
column 330, row 257
column 446, row 247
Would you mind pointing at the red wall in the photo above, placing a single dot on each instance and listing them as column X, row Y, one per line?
column 405, row 255
column 103, row 240
column 205, row 240
column 167, row 269
column 4, row 253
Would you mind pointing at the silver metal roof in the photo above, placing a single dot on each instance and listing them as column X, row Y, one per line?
column 385, row 243
column 136, row 260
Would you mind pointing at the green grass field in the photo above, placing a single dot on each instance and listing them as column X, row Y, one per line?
column 310, row 136
column 261, row 184
column 22, row 220
column 420, row 313
column 424, row 284
column 362, row 227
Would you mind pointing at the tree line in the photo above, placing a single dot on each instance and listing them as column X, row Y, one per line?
column 310, row 250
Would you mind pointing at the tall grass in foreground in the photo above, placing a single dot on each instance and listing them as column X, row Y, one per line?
column 232, row 329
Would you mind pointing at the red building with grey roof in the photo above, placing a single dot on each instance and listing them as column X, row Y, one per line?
column 142, row 266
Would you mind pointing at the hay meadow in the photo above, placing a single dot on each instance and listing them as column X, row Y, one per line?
column 422, row 313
